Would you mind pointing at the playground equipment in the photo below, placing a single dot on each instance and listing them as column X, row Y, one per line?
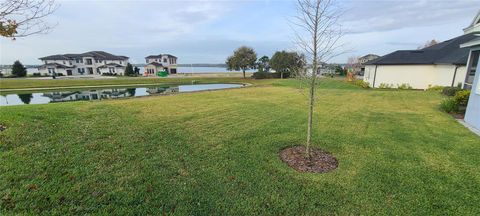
column 162, row 73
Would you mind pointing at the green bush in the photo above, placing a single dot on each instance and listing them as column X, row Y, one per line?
column 361, row 83
column 404, row 86
column 449, row 105
column 435, row 88
column 461, row 97
column 385, row 86
column 261, row 75
column 277, row 75
column 450, row 91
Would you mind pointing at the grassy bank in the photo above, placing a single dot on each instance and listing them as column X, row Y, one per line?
column 216, row 153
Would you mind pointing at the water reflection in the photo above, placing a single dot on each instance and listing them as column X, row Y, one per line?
column 100, row 94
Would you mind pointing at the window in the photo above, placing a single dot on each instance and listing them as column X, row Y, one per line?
column 90, row 70
column 51, row 70
column 121, row 62
column 164, row 60
column 70, row 62
column 111, row 69
column 64, row 62
column 89, row 62
column 81, row 70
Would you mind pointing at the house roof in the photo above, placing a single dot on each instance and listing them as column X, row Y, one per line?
column 111, row 65
column 155, row 64
column 369, row 56
column 447, row 52
column 56, row 65
column 160, row 56
column 100, row 55
column 475, row 25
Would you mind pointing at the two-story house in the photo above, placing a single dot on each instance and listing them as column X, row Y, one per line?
column 89, row 63
column 162, row 62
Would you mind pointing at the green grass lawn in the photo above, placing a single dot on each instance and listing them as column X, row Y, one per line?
column 216, row 153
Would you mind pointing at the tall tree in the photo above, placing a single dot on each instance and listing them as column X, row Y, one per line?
column 136, row 70
column 129, row 70
column 25, row 98
column 18, row 69
column 243, row 58
column 286, row 62
column 263, row 64
column 318, row 33
column 21, row 18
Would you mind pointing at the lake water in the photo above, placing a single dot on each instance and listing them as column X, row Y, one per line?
column 101, row 94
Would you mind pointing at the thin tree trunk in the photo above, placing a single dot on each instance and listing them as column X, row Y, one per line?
column 313, row 82
column 281, row 75
column 244, row 74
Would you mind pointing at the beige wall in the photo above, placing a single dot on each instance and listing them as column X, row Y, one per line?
column 417, row 76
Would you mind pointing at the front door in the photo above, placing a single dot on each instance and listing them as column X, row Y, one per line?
column 69, row 72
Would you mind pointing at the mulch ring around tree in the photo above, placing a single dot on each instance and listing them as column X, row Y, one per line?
column 319, row 162
column 2, row 127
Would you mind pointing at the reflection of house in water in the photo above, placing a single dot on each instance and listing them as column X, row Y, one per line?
column 87, row 95
column 160, row 90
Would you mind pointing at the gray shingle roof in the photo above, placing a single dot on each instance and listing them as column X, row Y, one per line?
column 100, row 55
column 160, row 55
column 447, row 52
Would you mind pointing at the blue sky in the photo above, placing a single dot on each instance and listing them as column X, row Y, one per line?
column 205, row 31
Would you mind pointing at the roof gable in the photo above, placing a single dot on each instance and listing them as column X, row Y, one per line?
column 474, row 26
column 447, row 52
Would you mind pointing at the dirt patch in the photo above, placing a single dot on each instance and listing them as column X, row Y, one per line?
column 2, row 127
column 319, row 162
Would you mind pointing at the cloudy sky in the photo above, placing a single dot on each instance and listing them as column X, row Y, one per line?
column 207, row 31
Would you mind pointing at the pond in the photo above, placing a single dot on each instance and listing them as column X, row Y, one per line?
column 104, row 93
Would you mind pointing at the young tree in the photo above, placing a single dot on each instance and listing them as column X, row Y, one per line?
column 286, row 62
column 21, row 18
column 263, row 64
column 243, row 58
column 129, row 70
column 353, row 64
column 137, row 71
column 18, row 69
column 318, row 33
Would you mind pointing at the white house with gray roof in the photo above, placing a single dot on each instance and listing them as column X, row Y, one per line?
column 443, row 64
column 161, row 62
column 89, row 63
column 472, row 115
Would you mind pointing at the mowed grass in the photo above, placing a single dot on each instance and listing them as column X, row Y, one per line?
column 216, row 153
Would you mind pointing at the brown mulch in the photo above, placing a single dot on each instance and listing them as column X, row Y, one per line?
column 319, row 162
column 2, row 127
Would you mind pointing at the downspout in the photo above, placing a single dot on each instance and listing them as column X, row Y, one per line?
column 454, row 75
column 374, row 76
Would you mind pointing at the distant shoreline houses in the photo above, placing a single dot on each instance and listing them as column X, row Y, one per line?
column 89, row 63
column 444, row 64
column 102, row 63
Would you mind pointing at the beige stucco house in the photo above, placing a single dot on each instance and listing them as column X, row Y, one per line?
column 162, row 62
column 443, row 64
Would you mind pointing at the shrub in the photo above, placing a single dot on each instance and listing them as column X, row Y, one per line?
column 450, row 91
column 449, row 105
column 261, row 75
column 435, row 88
column 385, row 86
column 1, row 75
column 361, row 83
column 277, row 75
column 461, row 97
column 404, row 86
column 60, row 74
column 36, row 74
